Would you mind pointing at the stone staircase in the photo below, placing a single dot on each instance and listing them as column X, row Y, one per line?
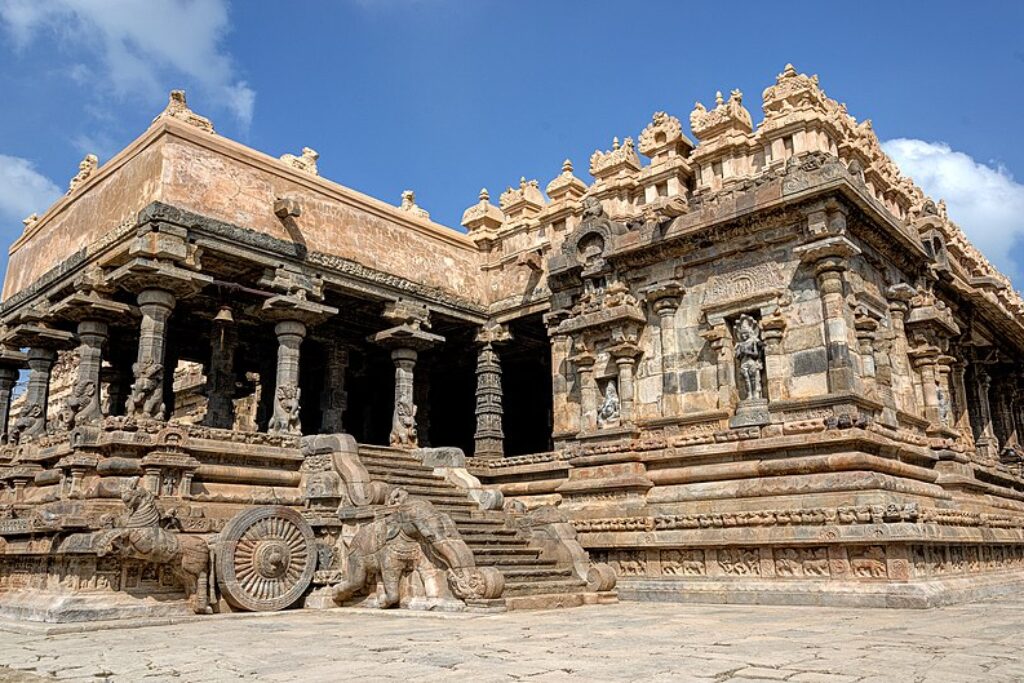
column 531, row 582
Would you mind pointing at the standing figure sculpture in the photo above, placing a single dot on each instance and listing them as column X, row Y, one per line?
column 608, row 413
column 749, row 352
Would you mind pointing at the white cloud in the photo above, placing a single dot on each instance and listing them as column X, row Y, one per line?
column 140, row 44
column 23, row 190
column 984, row 200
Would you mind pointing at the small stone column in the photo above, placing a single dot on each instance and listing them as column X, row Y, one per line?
column 664, row 299
column 287, row 395
column 828, row 257
column 489, row 438
column 584, row 363
column 220, row 377
column 566, row 418
column 902, row 386
column 866, row 328
column 720, row 341
column 987, row 444
column 406, row 340
column 85, row 398
column 626, row 365
column 961, row 415
column 924, row 360
column 146, row 398
column 334, row 398
column 8, row 378
column 32, row 421
column 403, row 424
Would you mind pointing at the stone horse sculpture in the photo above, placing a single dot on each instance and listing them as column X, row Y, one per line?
column 139, row 536
column 413, row 536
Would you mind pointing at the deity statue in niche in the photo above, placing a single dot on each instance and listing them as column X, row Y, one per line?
column 608, row 413
column 750, row 355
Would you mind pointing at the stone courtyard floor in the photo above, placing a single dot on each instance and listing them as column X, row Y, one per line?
column 625, row 642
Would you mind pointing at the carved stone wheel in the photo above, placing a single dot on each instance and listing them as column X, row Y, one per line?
column 266, row 558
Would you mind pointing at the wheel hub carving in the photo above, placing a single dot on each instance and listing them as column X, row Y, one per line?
column 266, row 558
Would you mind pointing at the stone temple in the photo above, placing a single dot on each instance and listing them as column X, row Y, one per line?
column 758, row 367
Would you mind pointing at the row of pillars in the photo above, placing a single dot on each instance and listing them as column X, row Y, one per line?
column 146, row 397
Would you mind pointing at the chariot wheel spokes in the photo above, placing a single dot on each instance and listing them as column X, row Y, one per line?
column 266, row 558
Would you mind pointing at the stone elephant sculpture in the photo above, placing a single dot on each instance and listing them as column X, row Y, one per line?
column 411, row 535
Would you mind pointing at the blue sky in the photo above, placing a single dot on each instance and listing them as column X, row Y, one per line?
column 448, row 96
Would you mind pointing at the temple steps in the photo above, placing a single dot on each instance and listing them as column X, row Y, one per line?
column 531, row 582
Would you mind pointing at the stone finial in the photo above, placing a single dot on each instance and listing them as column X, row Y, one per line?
column 30, row 220
column 177, row 108
column 618, row 158
column 663, row 137
column 483, row 215
column 409, row 204
column 727, row 116
column 566, row 185
column 525, row 200
column 305, row 163
column 86, row 167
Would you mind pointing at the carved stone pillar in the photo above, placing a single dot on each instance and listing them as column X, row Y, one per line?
column 220, row 375
column 866, row 328
column 720, row 340
column 584, row 363
column 8, row 378
column 85, row 396
column 565, row 414
column 32, row 420
column 944, row 389
column 489, row 438
column 406, row 340
column 287, row 395
column 146, row 398
column 961, row 415
column 902, row 386
column 829, row 274
column 775, row 362
column 626, row 365
column 334, row 398
column 925, row 361
column 403, row 425
column 664, row 298
column 987, row 445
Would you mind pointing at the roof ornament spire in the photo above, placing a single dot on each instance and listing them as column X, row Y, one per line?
column 565, row 185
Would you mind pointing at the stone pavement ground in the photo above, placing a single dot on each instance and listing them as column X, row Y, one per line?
column 625, row 642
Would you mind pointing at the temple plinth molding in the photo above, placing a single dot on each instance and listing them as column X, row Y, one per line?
column 489, row 437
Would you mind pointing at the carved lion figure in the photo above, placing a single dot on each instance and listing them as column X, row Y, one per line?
column 146, row 398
